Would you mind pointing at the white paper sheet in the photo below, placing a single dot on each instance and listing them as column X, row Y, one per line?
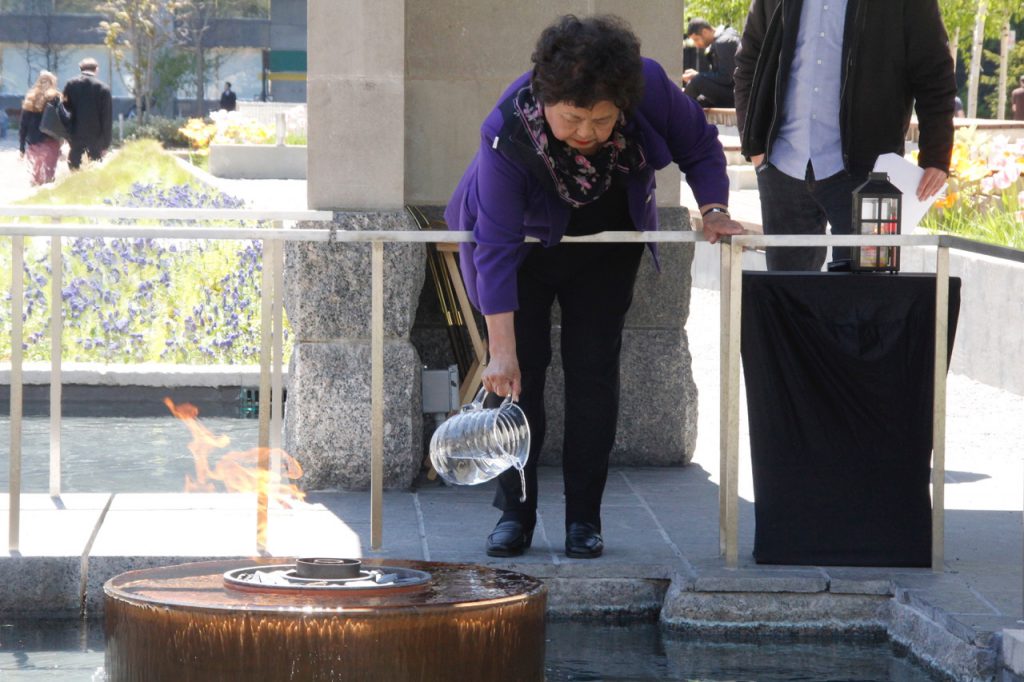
column 906, row 177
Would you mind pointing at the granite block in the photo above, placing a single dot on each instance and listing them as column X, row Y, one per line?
column 41, row 586
column 774, row 581
column 327, row 286
column 784, row 609
column 936, row 647
column 582, row 598
column 328, row 417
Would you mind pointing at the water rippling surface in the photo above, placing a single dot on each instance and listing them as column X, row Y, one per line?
column 72, row 651
column 123, row 455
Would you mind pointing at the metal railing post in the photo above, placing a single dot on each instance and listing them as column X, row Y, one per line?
column 725, row 277
column 56, row 355
column 377, row 395
column 277, row 381
column 732, row 389
column 17, row 334
column 263, row 441
column 939, row 406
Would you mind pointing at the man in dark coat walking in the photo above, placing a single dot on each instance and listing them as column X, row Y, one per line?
column 89, row 105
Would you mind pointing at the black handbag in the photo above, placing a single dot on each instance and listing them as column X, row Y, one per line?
column 52, row 123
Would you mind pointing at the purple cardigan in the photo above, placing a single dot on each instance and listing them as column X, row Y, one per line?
column 502, row 197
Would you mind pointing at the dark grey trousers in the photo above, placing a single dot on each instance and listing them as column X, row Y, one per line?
column 792, row 206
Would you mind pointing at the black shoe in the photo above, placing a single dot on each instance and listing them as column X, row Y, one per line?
column 583, row 541
column 509, row 538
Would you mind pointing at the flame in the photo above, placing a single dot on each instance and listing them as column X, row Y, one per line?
column 238, row 471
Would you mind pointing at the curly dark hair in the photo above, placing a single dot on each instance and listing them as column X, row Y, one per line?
column 584, row 61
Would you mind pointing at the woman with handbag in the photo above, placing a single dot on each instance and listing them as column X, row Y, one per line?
column 41, row 149
column 571, row 149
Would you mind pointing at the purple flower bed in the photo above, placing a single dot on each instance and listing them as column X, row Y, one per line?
column 146, row 300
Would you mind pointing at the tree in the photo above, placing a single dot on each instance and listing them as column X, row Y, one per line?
column 731, row 12
column 977, row 45
column 172, row 71
column 193, row 19
column 969, row 23
column 1015, row 69
column 135, row 31
column 42, row 51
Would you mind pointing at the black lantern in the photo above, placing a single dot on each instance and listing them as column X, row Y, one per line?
column 877, row 206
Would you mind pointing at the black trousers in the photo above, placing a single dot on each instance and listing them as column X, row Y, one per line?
column 710, row 93
column 93, row 149
column 593, row 284
column 792, row 206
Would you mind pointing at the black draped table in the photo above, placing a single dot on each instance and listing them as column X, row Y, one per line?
column 839, row 373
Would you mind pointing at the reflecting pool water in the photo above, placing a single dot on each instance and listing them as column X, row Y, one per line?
column 73, row 652
column 143, row 454
column 642, row 652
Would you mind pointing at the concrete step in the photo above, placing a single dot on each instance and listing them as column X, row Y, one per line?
column 741, row 177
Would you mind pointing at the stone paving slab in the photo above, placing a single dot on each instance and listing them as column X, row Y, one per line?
column 169, row 524
column 746, row 580
column 53, row 526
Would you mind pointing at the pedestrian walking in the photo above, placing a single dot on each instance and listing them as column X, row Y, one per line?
column 39, row 149
column 89, row 106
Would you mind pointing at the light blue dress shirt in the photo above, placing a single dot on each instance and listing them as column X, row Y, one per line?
column 810, row 125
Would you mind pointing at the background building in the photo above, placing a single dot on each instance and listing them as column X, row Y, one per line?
column 263, row 58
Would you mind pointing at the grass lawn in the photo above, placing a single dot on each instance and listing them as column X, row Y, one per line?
column 141, row 161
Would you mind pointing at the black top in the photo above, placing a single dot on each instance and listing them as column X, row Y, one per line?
column 28, row 130
column 610, row 211
column 722, row 55
column 895, row 57
column 89, row 104
column 227, row 100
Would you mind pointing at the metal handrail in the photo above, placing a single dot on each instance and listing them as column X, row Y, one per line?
column 271, row 383
column 732, row 248
column 75, row 211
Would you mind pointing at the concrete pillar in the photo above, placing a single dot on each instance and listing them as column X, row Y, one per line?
column 327, row 296
column 396, row 93
column 356, row 90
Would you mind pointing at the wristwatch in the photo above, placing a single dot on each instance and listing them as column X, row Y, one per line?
column 716, row 209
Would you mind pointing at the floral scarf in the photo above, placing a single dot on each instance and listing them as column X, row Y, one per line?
column 579, row 179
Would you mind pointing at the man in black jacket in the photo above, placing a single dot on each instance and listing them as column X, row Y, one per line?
column 712, row 88
column 89, row 105
column 228, row 99
column 824, row 88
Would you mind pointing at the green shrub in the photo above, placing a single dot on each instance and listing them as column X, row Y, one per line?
column 166, row 131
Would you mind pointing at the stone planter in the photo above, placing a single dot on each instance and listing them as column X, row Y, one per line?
column 258, row 161
column 989, row 345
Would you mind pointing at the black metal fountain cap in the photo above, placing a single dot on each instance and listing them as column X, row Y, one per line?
column 329, row 569
column 320, row 574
